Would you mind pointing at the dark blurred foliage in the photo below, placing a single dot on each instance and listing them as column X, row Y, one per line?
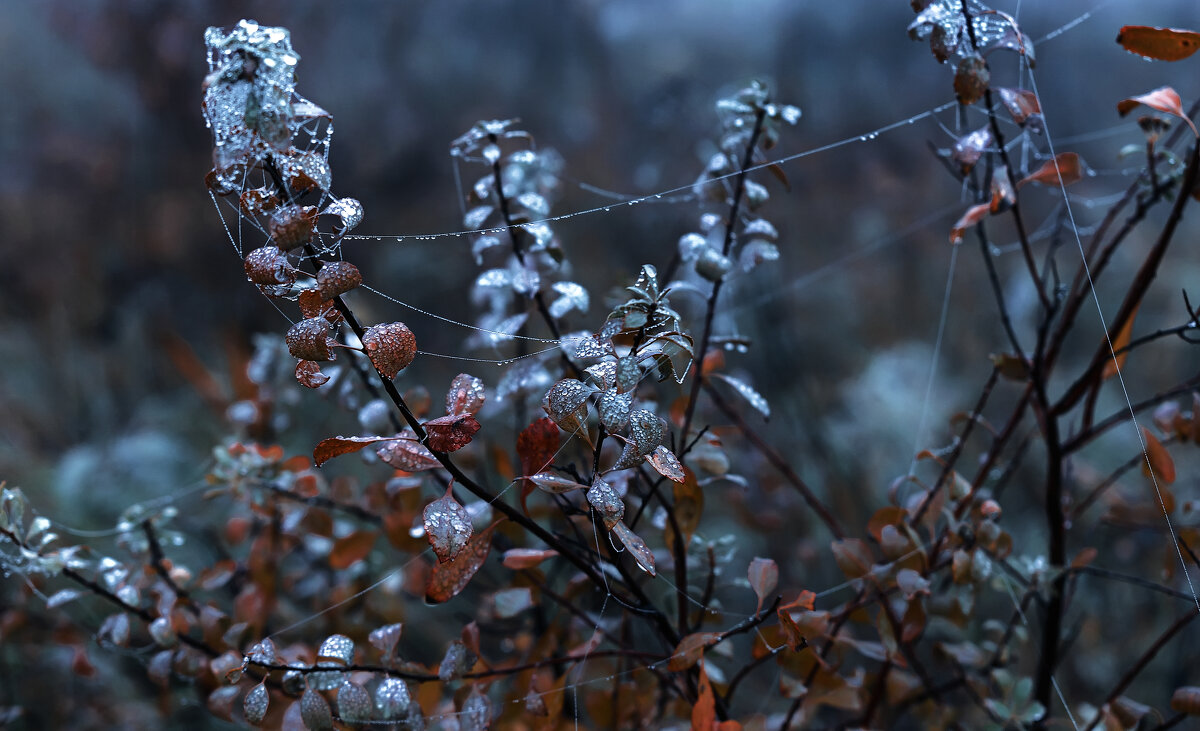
column 116, row 266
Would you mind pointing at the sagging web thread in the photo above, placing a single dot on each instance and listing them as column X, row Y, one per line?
column 682, row 192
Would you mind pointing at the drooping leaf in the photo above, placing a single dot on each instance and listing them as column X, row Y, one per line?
column 466, row 395
column 1163, row 44
column 637, row 547
column 690, row 649
column 451, row 433
column 351, row 549
column 1065, row 165
column 1123, row 336
column 391, row 347
column 1164, row 99
column 764, row 575
column 665, row 462
column 332, row 447
column 754, row 398
column 537, row 444
column 309, row 375
column 526, row 558
column 973, row 216
column 1020, row 103
column 448, row 526
column 554, row 483
column 1158, row 459
column 448, row 579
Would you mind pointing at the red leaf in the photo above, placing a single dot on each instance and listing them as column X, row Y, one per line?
column 309, row 339
column 1164, row 44
column 451, row 433
column 337, row 278
column 704, row 713
column 391, row 347
column 974, row 215
column 309, row 375
column 969, row 148
column 1164, row 99
column 1065, row 164
column 764, row 575
column 666, row 463
column 690, row 649
column 1158, row 459
column 332, row 447
column 537, row 445
column 1020, row 103
column 448, row 579
column 404, row 452
column 804, row 600
column 526, row 558
column 466, row 395
column 448, row 526
column 351, row 549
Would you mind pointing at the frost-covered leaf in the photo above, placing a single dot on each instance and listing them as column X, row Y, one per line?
column 466, row 395
column 606, row 501
column 391, row 347
column 254, row 705
column 337, row 647
column 447, row 525
column 353, row 702
column 636, row 546
column 754, row 398
column 268, row 266
column 553, row 483
column 449, row 578
column 970, row 147
column 264, row 652
column 664, row 461
column 451, row 433
column 332, row 447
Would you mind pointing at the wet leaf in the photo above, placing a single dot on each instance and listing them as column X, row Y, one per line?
column 309, row 375
column 554, row 483
column 466, row 395
column 268, row 266
column 1163, row 44
column 690, row 649
column 1020, row 103
column 1065, row 164
column 314, row 711
column 476, row 712
column 337, row 278
column 353, row 702
column 566, row 403
column 526, row 558
column 448, row 579
column 537, row 444
column 448, row 526
column 385, row 638
column 406, row 453
column 254, row 706
column 220, row 701
column 392, row 698
column 614, row 408
column 971, row 79
column 332, row 447
column 973, row 216
column 451, row 433
column 606, row 502
column 637, row 547
column 511, row 602
column 571, row 297
column 1158, row 459
column 666, row 463
column 1164, row 99
column 339, row 648
column 391, row 347
column 754, row 398
column 351, row 549
column 1122, row 339
column 308, row 339
column 969, row 148
column 764, row 575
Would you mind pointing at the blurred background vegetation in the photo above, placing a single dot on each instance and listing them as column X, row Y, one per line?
column 117, row 270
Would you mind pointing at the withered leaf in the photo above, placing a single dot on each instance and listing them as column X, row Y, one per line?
column 1164, row 99
column 466, row 395
column 690, row 649
column 1158, row 459
column 309, row 375
column 526, row 558
column 1121, row 340
column 665, row 462
column 973, row 216
column 637, row 547
column 537, row 444
column 1066, row 165
column 451, row 433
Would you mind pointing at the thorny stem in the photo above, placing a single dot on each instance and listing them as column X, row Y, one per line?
column 730, row 225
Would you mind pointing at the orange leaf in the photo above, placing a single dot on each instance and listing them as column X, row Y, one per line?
column 1021, row 104
column 1065, row 165
column 1163, row 44
column 1164, row 99
column 1119, row 342
column 805, row 600
column 690, row 650
column 887, row 515
column 351, row 549
column 332, row 447
column 974, row 215
column 1158, row 458
column 526, row 558
column 447, row 579
column 704, row 713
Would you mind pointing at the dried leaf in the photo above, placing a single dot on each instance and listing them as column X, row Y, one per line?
column 1065, row 165
column 637, row 547
column 665, row 462
column 704, row 712
column 1164, row 99
column 1158, row 459
column 537, row 445
column 754, row 398
column 971, row 79
column 974, row 215
column 553, row 483
column 332, row 447
column 1163, row 44
column 1121, row 341
column 764, row 575
column 391, row 347
column 690, row 649
column 451, row 433
column 448, row 526
column 351, row 549
column 466, row 395
column 448, row 579
column 526, row 558
column 309, row 375
column 689, row 507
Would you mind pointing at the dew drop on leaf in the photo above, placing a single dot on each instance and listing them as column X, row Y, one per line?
column 391, row 698
column 314, row 711
column 448, row 526
column 337, row 647
column 353, row 702
column 391, row 347
column 254, row 706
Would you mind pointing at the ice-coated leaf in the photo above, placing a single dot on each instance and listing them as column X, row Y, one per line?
column 754, row 398
column 451, row 433
column 254, row 706
column 391, row 347
column 449, row 578
column 566, row 403
column 352, row 548
column 1164, row 99
column 764, row 575
column 309, row 375
column 636, row 546
column 314, row 711
column 614, row 408
column 337, row 278
column 571, row 297
column 526, row 558
column 308, row 339
column 553, row 483
column 406, row 453
column 448, row 526
column 385, row 638
column 1163, row 44
column 392, row 698
column 476, row 712
column 332, row 447
column 466, row 395
column 537, row 444
column 353, row 702
column 606, row 501
column 664, row 461
column 337, row 647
